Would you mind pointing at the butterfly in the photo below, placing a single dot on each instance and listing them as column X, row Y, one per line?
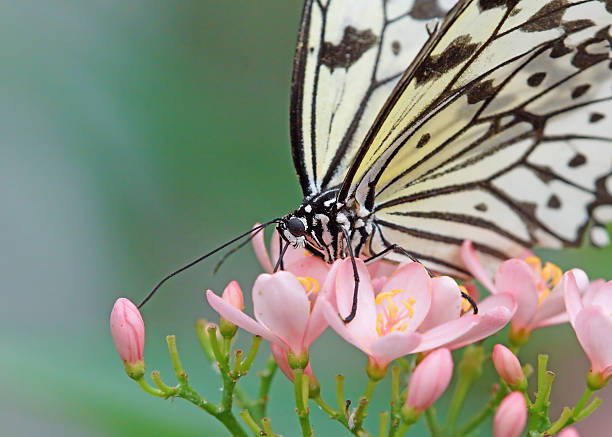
column 408, row 137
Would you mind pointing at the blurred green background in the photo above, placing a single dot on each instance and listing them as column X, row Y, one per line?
column 135, row 136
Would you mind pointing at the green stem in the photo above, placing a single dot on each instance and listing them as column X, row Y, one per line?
column 250, row 422
column 402, row 430
column 248, row 361
column 267, row 426
column 362, row 406
column 584, row 399
column 461, row 391
column 588, row 409
column 147, row 388
column 176, row 361
column 168, row 391
column 340, row 392
column 237, row 363
column 326, row 408
column 396, row 404
column 383, row 417
column 483, row 414
column 214, row 345
column 200, row 328
column 432, row 422
column 560, row 423
column 301, row 409
column 265, row 381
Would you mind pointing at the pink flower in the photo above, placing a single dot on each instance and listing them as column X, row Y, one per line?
column 535, row 288
column 591, row 318
column 569, row 432
column 284, row 314
column 411, row 313
column 429, row 380
column 128, row 331
column 511, row 416
column 508, row 366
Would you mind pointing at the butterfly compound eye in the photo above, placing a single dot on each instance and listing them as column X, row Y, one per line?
column 296, row 226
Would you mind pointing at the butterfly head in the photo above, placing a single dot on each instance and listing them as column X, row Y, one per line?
column 294, row 230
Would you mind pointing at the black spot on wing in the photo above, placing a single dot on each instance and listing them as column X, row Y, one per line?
column 426, row 10
column 554, row 202
column 424, row 139
column 596, row 116
column 396, row 47
column 579, row 91
column 490, row 4
column 481, row 207
column 353, row 45
column 578, row 160
column 456, row 53
column 585, row 57
column 548, row 17
column 576, row 25
column 536, row 79
column 481, row 91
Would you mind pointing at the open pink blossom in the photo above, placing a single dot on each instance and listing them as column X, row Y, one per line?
column 535, row 288
column 411, row 313
column 287, row 313
column 590, row 315
column 429, row 380
column 511, row 416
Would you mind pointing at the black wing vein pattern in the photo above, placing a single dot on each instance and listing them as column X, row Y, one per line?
column 501, row 136
column 350, row 55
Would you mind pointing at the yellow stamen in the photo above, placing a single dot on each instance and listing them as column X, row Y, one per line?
column 307, row 253
column 402, row 327
column 543, row 296
column 408, row 304
column 551, row 274
column 386, row 295
column 311, row 285
column 535, row 263
column 380, row 324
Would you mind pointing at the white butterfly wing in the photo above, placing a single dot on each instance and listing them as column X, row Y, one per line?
column 349, row 57
column 499, row 133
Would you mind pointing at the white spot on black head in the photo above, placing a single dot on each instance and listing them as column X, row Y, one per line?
column 308, row 208
column 599, row 236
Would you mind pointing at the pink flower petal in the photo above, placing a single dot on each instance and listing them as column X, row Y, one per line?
column 127, row 330
column 259, row 246
column 238, row 318
column 573, row 304
column 594, row 331
column 516, row 277
column 381, row 268
column 445, row 303
column 393, row 345
column 364, row 323
column 591, row 290
column 281, row 305
column 511, row 416
column 414, row 282
column 551, row 307
column 494, row 313
column 471, row 262
column 446, row 333
column 362, row 342
column 603, row 298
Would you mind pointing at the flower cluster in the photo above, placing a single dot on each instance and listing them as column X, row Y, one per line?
column 401, row 311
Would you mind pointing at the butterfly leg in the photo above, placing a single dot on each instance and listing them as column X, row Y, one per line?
column 351, row 316
column 398, row 249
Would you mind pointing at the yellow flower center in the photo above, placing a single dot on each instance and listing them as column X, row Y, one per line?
column 311, row 285
column 393, row 318
column 549, row 276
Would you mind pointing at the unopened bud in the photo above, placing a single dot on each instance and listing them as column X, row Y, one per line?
column 508, row 367
column 128, row 331
column 511, row 416
column 430, row 379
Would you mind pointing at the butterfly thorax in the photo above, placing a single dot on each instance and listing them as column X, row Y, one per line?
column 320, row 224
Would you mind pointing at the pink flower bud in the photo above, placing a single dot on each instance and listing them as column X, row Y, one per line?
column 430, row 379
column 233, row 295
column 511, row 416
column 568, row 432
column 508, row 366
column 127, row 329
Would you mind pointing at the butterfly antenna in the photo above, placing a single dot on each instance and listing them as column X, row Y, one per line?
column 280, row 257
column 235, row 249
column 203, row 257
